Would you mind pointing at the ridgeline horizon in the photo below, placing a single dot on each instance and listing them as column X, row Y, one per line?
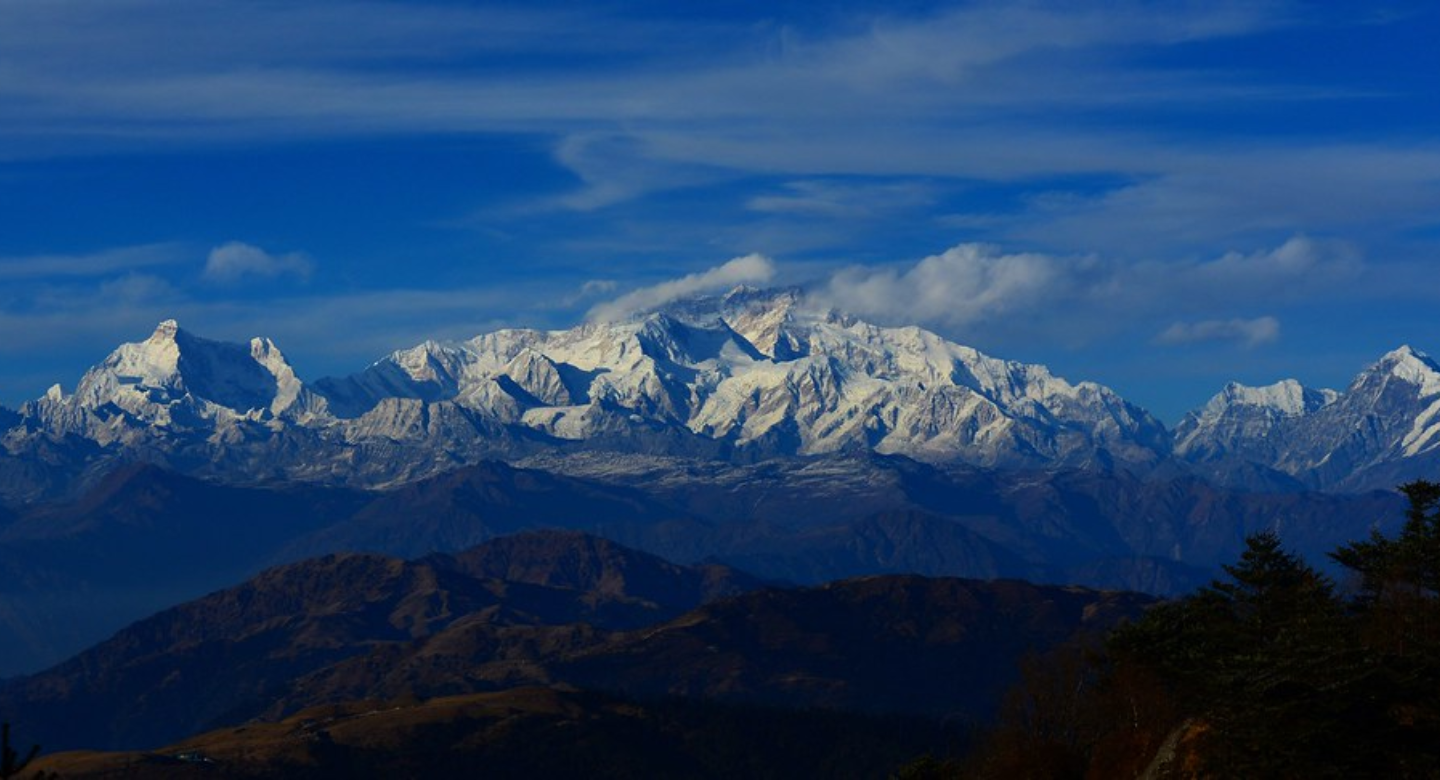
column 749, row 375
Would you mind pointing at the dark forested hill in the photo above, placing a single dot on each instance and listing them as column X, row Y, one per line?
column 353, row 627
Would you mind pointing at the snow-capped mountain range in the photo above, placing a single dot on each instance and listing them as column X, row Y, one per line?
column 744, row 376
column 1381, row 430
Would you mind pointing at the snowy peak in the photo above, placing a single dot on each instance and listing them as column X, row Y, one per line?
column 1286, row 397
column 154, row 362
column 429, row 363
column 751, row 373
column 288, row 387
column 429, row 372
column 1393, row 407
column 1404, row 354
column 1372, row 435
column 539, row 378
column 759, row 369
column 766, row 321
column 1407, row 365
column 174, row 367
column 1247, row 422
column 166, row 330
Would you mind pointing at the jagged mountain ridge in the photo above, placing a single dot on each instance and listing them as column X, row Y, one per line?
column 742, row 377
column 177, row 380
column 1383, row 429
column 1240, row 419
column 759, row 369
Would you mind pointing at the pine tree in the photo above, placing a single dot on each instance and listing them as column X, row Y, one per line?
column 11, row 764
column 1255, row 656
column 1400, row 577
column 1398, row 611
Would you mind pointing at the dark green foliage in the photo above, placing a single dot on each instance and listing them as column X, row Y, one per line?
column 10, row 762
column 1267, row 672
column 1277, row 670
column 1398, row 614
column 1411, row 561
column 1278, row 666
column 1400, row 577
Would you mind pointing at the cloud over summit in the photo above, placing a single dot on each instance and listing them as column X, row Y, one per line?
column 750, row 269
column 955, row 288
column 975, row 291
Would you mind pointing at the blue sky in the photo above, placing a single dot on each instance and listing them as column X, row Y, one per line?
column 1157, row 196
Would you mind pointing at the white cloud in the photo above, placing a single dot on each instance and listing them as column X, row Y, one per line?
column 1301, row 260
column 1249, row 333
column 977, row 290
column 750, row 269
column 955, row 288
column 235, row 261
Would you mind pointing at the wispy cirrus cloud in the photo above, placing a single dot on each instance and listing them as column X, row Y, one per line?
column 843, row 199
column 972, row 91
column 737, row 96
column 1246, row 332
column 1295, row 267
column 1195, row 198
column 638, row 71
column 102, row 263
